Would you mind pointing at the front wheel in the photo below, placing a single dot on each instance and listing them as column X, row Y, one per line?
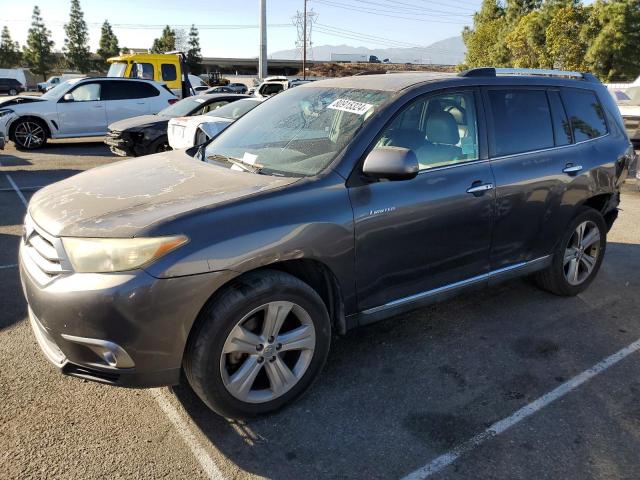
column 13, row 92
column 578, row 256
column 259, row 345
column 29, row 134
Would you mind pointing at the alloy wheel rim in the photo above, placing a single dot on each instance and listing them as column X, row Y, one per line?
column 582, row 252
column 29, row 134
column 267, row 352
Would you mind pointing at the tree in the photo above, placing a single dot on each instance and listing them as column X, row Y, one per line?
column 486, row 40
column 76, row 44
column 526, row 42
column 9, row 50
column 108, row 42
column 565, row 42
column 194, row 55
column 38, row 54
column 613, row 35
column 166, row 42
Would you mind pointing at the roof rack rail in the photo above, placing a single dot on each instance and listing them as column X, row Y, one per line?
column 494, row 72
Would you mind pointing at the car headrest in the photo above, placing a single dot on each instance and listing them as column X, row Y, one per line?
column 442, row 128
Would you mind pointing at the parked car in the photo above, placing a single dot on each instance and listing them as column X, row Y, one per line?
column 332, row 205
column 80, row 107
column 11, row 86
column 271, row 86
column 148, row 133
column 238, row 87
column 628, row 101
column 201, row 89
column 56, row 80
column 188, row 131
column 220, row 89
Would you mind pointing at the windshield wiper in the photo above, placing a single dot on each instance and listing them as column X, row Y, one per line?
column 247, row 167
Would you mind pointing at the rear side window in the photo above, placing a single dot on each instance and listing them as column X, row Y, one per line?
column 561, row 125
column 169, row 73
column 521, row 121
column 585, row 113
column 128, row 90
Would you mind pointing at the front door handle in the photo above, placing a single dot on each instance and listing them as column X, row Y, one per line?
column 571, row 169
column 479, row 189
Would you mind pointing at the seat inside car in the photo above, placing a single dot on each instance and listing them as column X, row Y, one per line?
column 442, row 141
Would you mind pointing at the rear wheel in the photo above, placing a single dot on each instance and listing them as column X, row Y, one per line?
column 259, row 345
column 578, row 257
column 13, row 92
column 29, row 133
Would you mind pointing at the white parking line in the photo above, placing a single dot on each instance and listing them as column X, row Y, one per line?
column 2, row 267
column 209, row 467
column 17, row 190
column 499, row 427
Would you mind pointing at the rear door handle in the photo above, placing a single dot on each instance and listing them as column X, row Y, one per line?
column 570, row 168
column 479, row 189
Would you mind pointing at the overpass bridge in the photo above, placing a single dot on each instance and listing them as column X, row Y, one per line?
column 249, row 66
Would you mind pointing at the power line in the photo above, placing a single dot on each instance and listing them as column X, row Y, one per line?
column 411, row 8
column 379, row 13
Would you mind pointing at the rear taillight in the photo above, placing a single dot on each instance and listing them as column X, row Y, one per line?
column 172, row 101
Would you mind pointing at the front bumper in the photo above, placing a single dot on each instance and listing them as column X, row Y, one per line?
column 128, row 329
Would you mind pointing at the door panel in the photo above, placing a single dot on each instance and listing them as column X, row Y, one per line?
column 420, row 234
column 85, row 115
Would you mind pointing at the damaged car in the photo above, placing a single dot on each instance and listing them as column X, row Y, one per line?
column 147, row 134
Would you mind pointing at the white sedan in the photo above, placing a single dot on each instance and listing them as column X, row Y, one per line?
column 80, row 107
column 185, row 132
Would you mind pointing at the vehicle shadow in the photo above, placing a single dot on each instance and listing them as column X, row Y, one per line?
column 8, row 160
column 29, row 181
column 396, row 394
column 93, row 147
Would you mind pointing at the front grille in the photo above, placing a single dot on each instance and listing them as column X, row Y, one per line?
column 43, row 253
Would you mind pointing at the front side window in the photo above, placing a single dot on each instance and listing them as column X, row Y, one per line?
column 87, row 92
column 521, row 121
column 300, row 131
column 169, row 73
column 142, row 70
column 585, row 113
column 440, row 129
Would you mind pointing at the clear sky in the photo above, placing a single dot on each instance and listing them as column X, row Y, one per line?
column 369, row 23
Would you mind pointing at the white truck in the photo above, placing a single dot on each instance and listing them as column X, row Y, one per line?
column 57, row 80
column 354, row 58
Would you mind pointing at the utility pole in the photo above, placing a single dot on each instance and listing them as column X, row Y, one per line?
column 304, row 43
column 262, row 59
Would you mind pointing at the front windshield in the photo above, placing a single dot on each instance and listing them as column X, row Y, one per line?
column 299, row 131
column 117, row 69
column 234, row 110
column 58, row 90
column 183, row 107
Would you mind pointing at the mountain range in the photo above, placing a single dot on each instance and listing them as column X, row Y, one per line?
column 449, row 51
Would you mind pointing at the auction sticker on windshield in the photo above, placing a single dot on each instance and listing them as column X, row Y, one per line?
column 350, row 106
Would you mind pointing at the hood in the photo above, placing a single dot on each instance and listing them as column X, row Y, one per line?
column 125, row 198
column 138, row 122
column 18, row 100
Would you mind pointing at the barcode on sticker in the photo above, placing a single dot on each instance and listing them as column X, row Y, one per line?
column 350, row 106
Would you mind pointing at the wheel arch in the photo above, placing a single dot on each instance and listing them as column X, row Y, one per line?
column 606, row 204
column 12, row 127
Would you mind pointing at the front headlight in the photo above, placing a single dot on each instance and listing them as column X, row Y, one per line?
column 100, row 255
column 5, row 112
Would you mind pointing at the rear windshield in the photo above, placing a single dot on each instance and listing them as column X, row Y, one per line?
column 183, row 107
column 235, row 109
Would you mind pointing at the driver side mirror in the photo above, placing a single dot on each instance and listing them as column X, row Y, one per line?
column 68, row 97
column 391, row 163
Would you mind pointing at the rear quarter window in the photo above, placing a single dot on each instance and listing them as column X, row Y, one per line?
column 129, row 89
column 521, row 121
column 585, row 114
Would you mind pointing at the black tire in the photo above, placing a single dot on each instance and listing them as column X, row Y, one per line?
column 22, row 125
column 160, row 145
column 203, row 362
column 553, row 279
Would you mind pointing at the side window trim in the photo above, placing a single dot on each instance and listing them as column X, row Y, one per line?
column 555, row 93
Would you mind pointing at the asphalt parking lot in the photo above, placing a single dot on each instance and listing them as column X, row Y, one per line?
column 394, row 397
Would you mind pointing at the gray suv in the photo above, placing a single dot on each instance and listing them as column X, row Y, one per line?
column 331, row 206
